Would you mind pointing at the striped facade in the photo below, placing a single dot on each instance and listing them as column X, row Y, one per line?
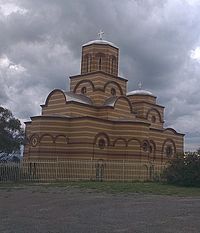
column 98, row 119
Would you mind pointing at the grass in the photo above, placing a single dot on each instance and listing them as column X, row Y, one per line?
column 117, row 187
column 138, row 187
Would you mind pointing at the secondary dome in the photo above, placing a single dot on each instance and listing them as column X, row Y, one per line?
column 104, row 42
column 140, row 92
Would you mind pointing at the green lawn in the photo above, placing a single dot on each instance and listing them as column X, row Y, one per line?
column 118, row 187
column 137, row 187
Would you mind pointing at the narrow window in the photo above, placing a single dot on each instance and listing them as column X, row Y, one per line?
column 83, row 90
column 87, row 64
column 102, row 143
column 112, row 65
column 90, row 63
column 113, row 91
column 100, row 63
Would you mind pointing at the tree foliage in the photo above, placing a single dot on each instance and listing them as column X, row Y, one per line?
column 11, row 132
column 184, row 170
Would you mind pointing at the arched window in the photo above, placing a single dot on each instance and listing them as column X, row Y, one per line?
column 83, row 90
column 100, row 63
column 87, row 63
column 101, row 143
column 153, row 119
column 113, row 92
column 145, row 146
column 169, row 151
column 112, row 68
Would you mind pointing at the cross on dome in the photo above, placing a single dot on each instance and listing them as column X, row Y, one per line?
column 140, row 85
column 100, row 34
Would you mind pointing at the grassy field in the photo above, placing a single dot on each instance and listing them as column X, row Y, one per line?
column 117, row 187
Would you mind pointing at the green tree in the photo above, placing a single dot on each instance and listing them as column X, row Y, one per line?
column 184, row 170
column 11, row 132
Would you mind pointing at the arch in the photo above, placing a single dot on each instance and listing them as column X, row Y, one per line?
column 151, row 142
column 134, row 139
column 100, row 55
column 99, row 60
column 120, row 139
column 66, row 139
column 153, row 145
column 148, row 145
column 171, row 130
column 34, row 139
column 46, row 135
column 87, row 59
column 155, row 110
column 100, row 63
column 117, row 84
column 124, row 97
column 113, row 60
column 134, row 147
column 51, row 93
column 101, row 134
column 83, row 81
column 168, row 140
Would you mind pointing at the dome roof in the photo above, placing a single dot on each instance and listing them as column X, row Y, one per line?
column 100, row 41
column 140, row 92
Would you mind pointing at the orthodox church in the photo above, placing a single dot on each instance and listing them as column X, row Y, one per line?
column 98, row 119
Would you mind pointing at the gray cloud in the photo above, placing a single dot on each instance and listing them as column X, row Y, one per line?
column 42, row 43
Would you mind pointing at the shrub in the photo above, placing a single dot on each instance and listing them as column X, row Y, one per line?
column 184, row 170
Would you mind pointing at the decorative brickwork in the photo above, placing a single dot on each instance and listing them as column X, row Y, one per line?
column 98, row 119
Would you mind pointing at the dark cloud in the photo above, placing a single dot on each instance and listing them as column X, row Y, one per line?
column 41, row 41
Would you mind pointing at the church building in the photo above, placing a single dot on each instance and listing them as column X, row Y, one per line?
column 99, row 119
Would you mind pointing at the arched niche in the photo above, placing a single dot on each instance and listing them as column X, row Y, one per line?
column 112, row 84
column 168, row 148
column 119, row 147
column 154, row 116
column 46, row 139
column 134, row 147
column 87, row 84
column 123, row 105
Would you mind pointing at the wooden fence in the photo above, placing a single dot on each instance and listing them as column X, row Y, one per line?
column 74, row 170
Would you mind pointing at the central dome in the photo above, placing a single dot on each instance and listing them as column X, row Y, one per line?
column 100, row 41
column 140, row 92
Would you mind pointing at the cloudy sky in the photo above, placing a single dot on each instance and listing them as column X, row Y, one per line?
column 159, row 41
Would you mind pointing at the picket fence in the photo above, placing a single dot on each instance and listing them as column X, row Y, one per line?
column 74, row 170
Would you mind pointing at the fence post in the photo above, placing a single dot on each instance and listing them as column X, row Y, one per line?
column 57, row 168
column 123, row 170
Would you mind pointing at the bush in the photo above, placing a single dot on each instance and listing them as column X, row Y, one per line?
column 184, row 170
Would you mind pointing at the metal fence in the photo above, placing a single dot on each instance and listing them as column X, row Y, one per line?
column 73, row 170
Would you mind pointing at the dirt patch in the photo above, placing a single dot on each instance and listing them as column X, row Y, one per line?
column 42, row 209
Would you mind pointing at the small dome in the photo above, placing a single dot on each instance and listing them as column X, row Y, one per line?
column 104, row 42
column 139, row 92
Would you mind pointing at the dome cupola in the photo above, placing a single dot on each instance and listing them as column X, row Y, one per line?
column 100, row 55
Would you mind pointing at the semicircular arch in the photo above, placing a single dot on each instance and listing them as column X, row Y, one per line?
column 63, row 138
column 154, row 110
column 83, row 81
column 128, row 101
column 116, row 84
column 134, row 139
column 120, row 139
column 101, row 135
column 46, row 135
column 168, row 140
column 52, row 93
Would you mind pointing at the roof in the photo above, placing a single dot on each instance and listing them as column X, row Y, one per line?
column 139, row 92
column 111, row 101
column 70, row 96
column 104, row 42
